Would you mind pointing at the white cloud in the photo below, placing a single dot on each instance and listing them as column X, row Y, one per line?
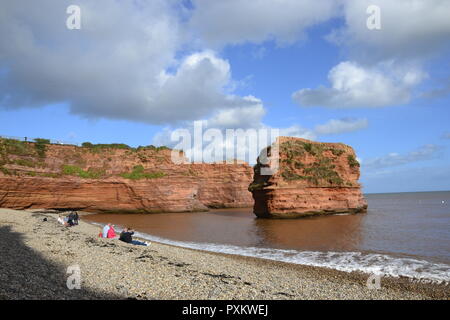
column 250, row 118
column 198, row 88
column 385, row 66
column 336, row 126
column 411, row 29
column 237, row 21
column 234, row 148
column 298, row 132
column 241, row 117
column 122, row 64
column 354, row 85
column 426, row 152
column 129, row 60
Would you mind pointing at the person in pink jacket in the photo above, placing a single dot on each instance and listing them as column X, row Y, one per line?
column 111, row 232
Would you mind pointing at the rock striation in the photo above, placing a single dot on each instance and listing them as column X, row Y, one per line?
column 312, row 178
column 115, row 178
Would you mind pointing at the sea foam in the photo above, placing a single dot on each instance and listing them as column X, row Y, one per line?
column 370, row 263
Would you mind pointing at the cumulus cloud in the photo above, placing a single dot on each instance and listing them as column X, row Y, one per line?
column 237, row 21
column 354, row 85
column 243, row 144
column 410, row 29
column 385, row 66
column 245, row 122
column 426, row 152
column 122, row 64
column 336, row 126
column 240, row 117
column 298, row 132
column 149, row 61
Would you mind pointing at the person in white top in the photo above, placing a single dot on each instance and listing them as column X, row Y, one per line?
column 105, row 230
column 61, row 220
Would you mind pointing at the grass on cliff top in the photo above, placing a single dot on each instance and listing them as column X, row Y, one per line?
column 322, row 171
column 138, row 173
column 103, row 146
column 36, row 151
column 296, row 147
column 9, row 147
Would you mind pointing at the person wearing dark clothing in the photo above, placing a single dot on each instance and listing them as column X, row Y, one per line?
column 75, row 218
column 127, row 236
column 70, row 219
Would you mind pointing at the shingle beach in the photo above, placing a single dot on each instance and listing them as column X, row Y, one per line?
column 36, row 254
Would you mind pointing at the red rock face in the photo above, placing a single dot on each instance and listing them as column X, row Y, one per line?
column 312, row 179
column 69, row 177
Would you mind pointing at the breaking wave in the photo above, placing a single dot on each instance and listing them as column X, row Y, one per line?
column 370, row 263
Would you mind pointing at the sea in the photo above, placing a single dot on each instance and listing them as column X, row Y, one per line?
column 401, row 235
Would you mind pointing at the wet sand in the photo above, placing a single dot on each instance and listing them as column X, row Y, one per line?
column 36, row 254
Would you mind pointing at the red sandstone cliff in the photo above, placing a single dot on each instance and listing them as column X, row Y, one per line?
column 115, row 180
column 312, row 179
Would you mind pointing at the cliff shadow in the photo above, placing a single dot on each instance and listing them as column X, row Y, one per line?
column 27, row 275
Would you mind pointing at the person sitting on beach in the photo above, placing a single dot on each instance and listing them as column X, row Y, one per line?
column 75, row 218
column 105, row 230
column 61, row 219
column 111, row 232
column 127, row 236
column 70, row 219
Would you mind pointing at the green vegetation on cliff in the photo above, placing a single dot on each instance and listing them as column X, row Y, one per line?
column 23, row 148
column 256, row 186
column 40, row 146
column 352, row 162
column 31, row 155
column 77, row 171
column 15, row 147
column 106, row 146
column 138, row 173
column 28, row 150
column 322, row 171
column 102, row 146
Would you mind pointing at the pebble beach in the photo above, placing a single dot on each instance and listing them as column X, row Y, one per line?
column 36, row 256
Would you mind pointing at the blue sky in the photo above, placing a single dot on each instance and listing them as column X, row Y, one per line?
column 384, row 92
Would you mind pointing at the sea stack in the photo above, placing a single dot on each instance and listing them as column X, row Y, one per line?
column 308, row 178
